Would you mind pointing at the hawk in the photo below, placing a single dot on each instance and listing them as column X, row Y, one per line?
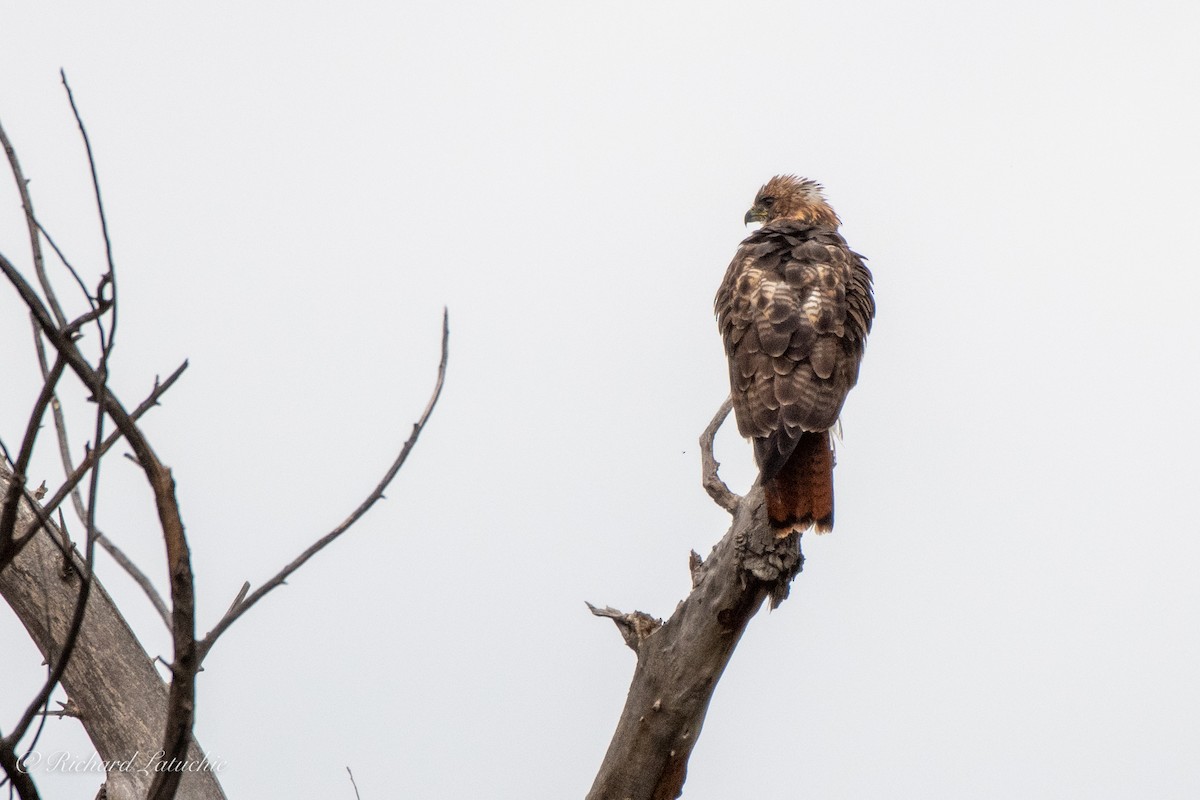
column 794, row 310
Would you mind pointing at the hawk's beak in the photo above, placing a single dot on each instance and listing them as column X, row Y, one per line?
column 756, row 214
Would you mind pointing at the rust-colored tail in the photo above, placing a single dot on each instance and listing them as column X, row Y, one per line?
column 801, row 495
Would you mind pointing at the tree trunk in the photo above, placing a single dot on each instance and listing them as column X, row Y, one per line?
column 109, row 680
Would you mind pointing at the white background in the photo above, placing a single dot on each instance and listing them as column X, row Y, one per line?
column 1009, row 605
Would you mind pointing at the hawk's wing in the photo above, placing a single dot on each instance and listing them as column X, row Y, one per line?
column 794, row 309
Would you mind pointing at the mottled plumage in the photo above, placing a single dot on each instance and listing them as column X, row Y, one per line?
column 794, row 309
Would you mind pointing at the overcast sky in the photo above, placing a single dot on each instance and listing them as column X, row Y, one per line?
column 1009, row 605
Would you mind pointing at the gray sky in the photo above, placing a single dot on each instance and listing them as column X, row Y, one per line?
column 1008, row 607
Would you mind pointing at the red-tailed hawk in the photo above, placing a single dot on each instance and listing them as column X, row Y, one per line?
column 794, row 309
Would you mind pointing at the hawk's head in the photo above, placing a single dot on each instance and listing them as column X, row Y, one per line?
column 789, row 197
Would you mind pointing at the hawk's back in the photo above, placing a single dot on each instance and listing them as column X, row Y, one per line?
column 794, row 310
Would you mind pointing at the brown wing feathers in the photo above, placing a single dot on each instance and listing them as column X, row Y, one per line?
column 794, row 311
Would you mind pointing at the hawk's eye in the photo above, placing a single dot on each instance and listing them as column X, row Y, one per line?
column 767, row 202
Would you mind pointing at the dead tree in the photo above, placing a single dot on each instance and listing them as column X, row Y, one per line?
column 49, row 580
column 680, row 661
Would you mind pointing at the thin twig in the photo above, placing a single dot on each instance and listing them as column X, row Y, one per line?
column 39, row 266
column 8, row 515
column 82, row 469
column 239, row 608
column 111, row 278
column 96, row 313
column 92, row 301
column 64, row 452
column 357, row 796
column 67, row 709
column 709, row 465
column 237, row 600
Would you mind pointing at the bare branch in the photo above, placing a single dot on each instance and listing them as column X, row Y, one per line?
column 60, row 426
column 709, row 465
column 39, row 266
column 8, row 514
column 64, row 452
column 353, row 783
column 91, row 316
column 81, row 472
column 635, row 628
column 85, row 466
column 237, row 600
column 67, row 709
column 62, row 257
column 111, row 278
column 20, row 779
column 182, row 692
column 240, row 607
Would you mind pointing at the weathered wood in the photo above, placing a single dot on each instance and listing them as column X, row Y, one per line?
column 120, row 698
column 680, row 663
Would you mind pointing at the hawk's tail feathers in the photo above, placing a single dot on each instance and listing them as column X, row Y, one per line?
column 801, row 495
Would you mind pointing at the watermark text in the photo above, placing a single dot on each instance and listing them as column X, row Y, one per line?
column 63, row 762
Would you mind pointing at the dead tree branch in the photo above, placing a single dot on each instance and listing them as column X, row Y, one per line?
column 52, row 586
column 64, row 454
column 16, row 492
column 635, row 628
column 8, row 508
column 679, row 663
column 108, row 257
column 709, row 465
column 83, row 468
column 180, row 708
column 39, row 265
column 243, row 602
